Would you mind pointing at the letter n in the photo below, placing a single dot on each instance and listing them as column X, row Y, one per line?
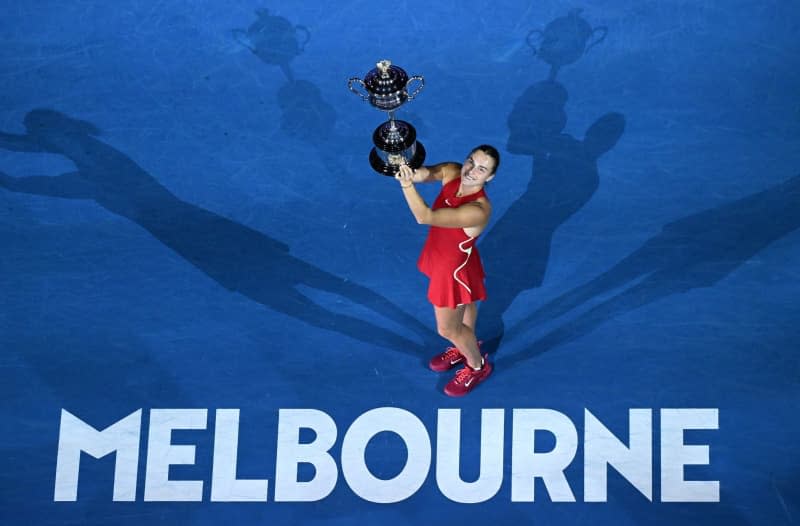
column 602, row 449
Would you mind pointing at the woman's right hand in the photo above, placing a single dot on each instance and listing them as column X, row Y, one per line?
column 405, row 175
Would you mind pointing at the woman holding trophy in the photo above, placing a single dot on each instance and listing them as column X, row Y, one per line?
column 457, row 217
column 450, row 258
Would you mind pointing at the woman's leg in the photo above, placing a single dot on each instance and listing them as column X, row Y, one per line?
column 453, row 324
column 470, row 316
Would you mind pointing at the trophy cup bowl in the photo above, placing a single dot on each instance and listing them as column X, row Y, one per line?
column 386, row 88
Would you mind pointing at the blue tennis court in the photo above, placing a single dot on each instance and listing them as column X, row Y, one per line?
column 210, row 308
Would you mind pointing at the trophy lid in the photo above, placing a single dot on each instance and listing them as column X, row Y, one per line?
column 386, row 79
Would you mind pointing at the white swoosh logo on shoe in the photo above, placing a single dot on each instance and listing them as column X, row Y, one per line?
column 468, row 382
column 453, row 362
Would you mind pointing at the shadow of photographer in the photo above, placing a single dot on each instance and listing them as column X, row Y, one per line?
column 237, row 257
column 696, row 251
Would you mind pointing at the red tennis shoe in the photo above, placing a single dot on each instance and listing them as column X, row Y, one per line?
column 447, row 360
column 467, row 379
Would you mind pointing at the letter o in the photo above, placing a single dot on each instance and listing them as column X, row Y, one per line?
column 354, row 466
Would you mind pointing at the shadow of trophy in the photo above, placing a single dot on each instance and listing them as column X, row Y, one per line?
column 274, row 40
column 565, row 40
column 395, row 141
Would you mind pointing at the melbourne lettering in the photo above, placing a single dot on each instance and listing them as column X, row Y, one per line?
column 432, row 456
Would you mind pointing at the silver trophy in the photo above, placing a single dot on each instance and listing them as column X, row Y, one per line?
column 386, row 88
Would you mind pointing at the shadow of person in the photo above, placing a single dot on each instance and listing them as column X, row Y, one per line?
column 564, row 177
column 307, row 117
column 692, row 252
column 237, row 257
column 305, row 114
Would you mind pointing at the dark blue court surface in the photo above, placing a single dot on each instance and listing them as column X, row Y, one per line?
column 189, row 224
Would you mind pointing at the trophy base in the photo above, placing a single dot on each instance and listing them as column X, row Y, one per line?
column 383, row 168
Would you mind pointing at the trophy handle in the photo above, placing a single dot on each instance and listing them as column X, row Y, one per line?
column 531, row 44
column 303, row 29
column 354, row 90
column 421, row 81
column 603, row 30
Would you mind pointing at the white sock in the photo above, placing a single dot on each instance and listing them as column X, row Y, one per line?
column 479, row 368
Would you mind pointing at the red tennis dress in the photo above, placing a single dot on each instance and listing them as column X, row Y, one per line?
column 450, row 258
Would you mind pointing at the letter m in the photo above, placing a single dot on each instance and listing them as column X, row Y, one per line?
column 76, row 436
